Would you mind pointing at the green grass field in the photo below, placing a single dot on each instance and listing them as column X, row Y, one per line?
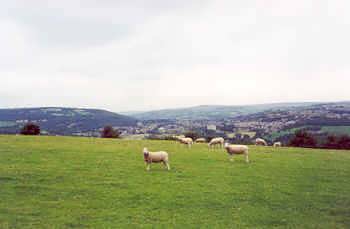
column 336, row 129
column 63, row 182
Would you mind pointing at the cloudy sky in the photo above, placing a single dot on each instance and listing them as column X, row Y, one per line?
column 140, row 55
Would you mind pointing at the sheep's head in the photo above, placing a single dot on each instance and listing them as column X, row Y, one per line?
column 145, row 153
column 226, row 145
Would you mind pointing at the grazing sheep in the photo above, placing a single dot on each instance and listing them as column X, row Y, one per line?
column 277, row 144
column 216, row 141
column 237, row 149
column 186, row 141
column 200, row 140
column 155, row 157
column 260, row 142
column 178, row 137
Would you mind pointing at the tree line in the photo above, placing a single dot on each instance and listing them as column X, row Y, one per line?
column 34, row 129
column 303, row 138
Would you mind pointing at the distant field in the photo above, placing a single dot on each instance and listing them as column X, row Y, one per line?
column 242, row 133
column 278, row 134
column 65, row 182
column 337, row 129
column 7, row 124
column 330, row 129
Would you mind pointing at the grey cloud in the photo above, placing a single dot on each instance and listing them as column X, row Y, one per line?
column 157, row 53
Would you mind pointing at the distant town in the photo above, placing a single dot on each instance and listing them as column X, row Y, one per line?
column 272, row 124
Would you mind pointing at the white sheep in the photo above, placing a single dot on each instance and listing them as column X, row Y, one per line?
column 237, row 149
column 200, row 140
column 260, row 142
column 186, row 141
column 216, row 141
column 178, row 137
column 155, row 157
column 277, row 144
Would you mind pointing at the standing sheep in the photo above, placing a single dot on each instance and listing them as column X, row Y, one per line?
column 216, row 141
column 178, row 137
column 277, row 144
column 155, row 157
column 237, row 149
column 186, row 141
column 260, row 142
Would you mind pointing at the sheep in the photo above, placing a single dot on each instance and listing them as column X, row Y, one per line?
column 277, row 144
column 186, row 141
column 216, row 141
column 155, row 157
column 260, row 142
column 237, row 149
column 178, row 137
column 200, row 140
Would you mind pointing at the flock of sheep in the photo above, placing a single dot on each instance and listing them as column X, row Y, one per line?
column 163, row 157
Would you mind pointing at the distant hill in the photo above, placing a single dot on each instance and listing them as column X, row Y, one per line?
column 212, row 112
column 62, row 121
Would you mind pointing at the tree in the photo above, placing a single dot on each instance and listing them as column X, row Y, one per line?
column 109, row 132
column 302, row 138
column 238, row 136
column 30, row 129
column 191, row 134
column 331, row 142
column 246, row 139
column 344, row 142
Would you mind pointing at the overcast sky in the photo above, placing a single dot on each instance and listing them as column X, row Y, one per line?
column 140, row 55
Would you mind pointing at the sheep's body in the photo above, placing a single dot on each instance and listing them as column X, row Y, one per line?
column 177, row 138
column 260, row 142
column 186, row 141
column 216, row 141
column 156, row 157
column 277, row 144
column 237, row 149
column 200, row 140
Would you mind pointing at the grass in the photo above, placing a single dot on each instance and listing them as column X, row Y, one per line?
column 65, row 182
column 7, row 123
column 336, row 129
column 274, row 135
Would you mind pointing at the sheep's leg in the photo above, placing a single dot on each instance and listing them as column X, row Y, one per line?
column 167, row 165
column 148, row 166
column 246, row 158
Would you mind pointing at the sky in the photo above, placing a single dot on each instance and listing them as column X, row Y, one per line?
column 132, row 55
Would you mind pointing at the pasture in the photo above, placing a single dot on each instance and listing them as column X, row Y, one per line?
column 339, row 130
column 65, row 182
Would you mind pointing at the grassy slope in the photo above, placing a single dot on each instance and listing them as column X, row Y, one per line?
column 336, row 129
column 48, row 182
